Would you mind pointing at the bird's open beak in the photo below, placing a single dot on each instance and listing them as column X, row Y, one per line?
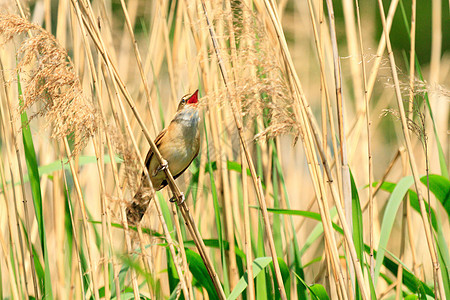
column 194, row 98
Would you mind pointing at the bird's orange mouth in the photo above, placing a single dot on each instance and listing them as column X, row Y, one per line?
column 194, row 98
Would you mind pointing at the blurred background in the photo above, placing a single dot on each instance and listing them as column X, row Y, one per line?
column 62, row 225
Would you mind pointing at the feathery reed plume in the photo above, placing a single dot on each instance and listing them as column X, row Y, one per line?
column 259, row 86
column 51, row 82
column 132, row 170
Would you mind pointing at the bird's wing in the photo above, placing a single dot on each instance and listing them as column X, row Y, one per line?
column 157, row 141
column 175, row 176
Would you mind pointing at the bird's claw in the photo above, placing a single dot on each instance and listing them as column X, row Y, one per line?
column 174, row 199
column 162, row 167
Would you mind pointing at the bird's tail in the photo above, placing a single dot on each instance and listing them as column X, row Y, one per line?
column 139, row 205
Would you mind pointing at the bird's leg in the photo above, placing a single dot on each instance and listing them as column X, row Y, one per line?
column 174, row 199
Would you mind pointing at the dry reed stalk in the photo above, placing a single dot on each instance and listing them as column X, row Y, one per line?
column 139, row 64
column 404, row 160
column 256, row 179
column 354, row 51
column 220, row 182
column 12, row 278
column 100, row 46
column 201, row 182
column 380, row 49
column 319, row 188
column 345, row 170
column 403, row 231
column 234, row 276
column 98, row 90
column 369, row 144
column 149, row 101
column 224, row 191
column 378, row 59
column 244, row 178
column 84, row 217
column 304, row 108
column 312, row 163
column 19, row 274
column 182, row 251
column 24, row 197
column 426, row 225
column 18, row 234
column 168, row 51
column 327, row 105
column 247, row 235
column 176, row 191
column 436, row 40
column 146, row 258
column 75, row 249
column 205, row 78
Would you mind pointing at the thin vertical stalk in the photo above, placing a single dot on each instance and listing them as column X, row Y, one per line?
column 84, row 218
column 380, row 49
column 247, row 235
column 139, row 64
column 369, row 144
column 75, row 236
column 309, row 120
column 98, row 42
column 24, row 200
column 12, row 278
column 431, row 247
column 8, row 156
column 403, row 231
column 182, row 251
column 256, row 180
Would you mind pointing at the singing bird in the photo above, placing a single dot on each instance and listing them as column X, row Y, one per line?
column 178, row 144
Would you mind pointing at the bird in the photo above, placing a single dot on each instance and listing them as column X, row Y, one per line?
column 179, row 144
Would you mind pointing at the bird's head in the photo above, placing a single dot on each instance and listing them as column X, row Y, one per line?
column 190, row 99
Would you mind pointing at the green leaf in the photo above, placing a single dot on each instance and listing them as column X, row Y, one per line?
column 317, row 291
column 262, row 289
column 392, row 206
column 257, row 266
column 358, row 230
column 303, row 213
column 198, row 270
column 413, row 283
column 440, row 187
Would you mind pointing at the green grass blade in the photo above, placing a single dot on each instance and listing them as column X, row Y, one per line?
column 358, row 231
column 257, row 266
column 261, row 288
column 413, row 283
column 303, row 213
column 443, row 257
column 388, row 219
column 276, row 220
